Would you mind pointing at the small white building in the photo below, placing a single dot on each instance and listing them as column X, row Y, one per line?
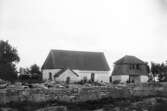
column 130, row 69
column 63, row 65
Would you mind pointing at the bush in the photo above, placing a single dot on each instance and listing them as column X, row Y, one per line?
column 30, row 79
column 116, row 81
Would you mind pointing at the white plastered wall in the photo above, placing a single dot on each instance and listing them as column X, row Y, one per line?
column 143, row 78
column 124, row 78
column 99, row 75
column 68, row 73
column 45, row 73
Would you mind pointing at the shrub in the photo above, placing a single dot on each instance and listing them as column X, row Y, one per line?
column 116, row 81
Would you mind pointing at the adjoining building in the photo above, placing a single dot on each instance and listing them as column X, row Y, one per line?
column 130, row 69
column 73, row 66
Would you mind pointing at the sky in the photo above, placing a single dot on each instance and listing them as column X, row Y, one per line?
column 115, row 27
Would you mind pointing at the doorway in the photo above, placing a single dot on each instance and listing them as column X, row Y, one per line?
column 50, row 76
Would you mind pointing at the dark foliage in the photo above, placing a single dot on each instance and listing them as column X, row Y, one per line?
column 8, row 58
column 32, row 75
column 116, row 82
column 159, row 70
column 35, row 71
column 29, row 79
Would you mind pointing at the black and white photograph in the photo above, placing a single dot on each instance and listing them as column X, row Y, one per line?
column 83, row 55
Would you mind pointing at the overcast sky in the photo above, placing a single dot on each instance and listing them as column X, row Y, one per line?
column 116, row 27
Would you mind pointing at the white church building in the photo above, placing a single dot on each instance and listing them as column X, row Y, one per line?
column 63, row 65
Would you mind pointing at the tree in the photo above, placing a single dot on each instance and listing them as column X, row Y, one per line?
column 35, row 71
column 163, row 73
column 155, row 69
column 8, row 58
column 160, row 71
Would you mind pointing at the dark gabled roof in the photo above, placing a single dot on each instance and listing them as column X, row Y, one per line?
column 81, row 60
column 62, row 71
column 129, row 60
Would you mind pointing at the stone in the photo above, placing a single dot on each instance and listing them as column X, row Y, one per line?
column 144, row 110
column 8, row 109
column 151, row 101
column 81, row 94
column 53, row 108
column 126, row 109
column 116, row 109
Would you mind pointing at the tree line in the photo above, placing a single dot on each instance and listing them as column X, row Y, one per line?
column 8, row 59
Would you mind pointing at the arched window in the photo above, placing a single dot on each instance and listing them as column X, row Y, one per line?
column 92, row 77
column 50, row 76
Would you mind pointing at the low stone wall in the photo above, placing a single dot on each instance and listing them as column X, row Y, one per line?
column 74, row 95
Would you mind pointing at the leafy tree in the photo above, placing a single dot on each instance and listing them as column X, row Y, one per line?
column 159, row 70
column 35, row 71
column 33, row 74
column 8, row 58
column 163, row 73
column 155, row 69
